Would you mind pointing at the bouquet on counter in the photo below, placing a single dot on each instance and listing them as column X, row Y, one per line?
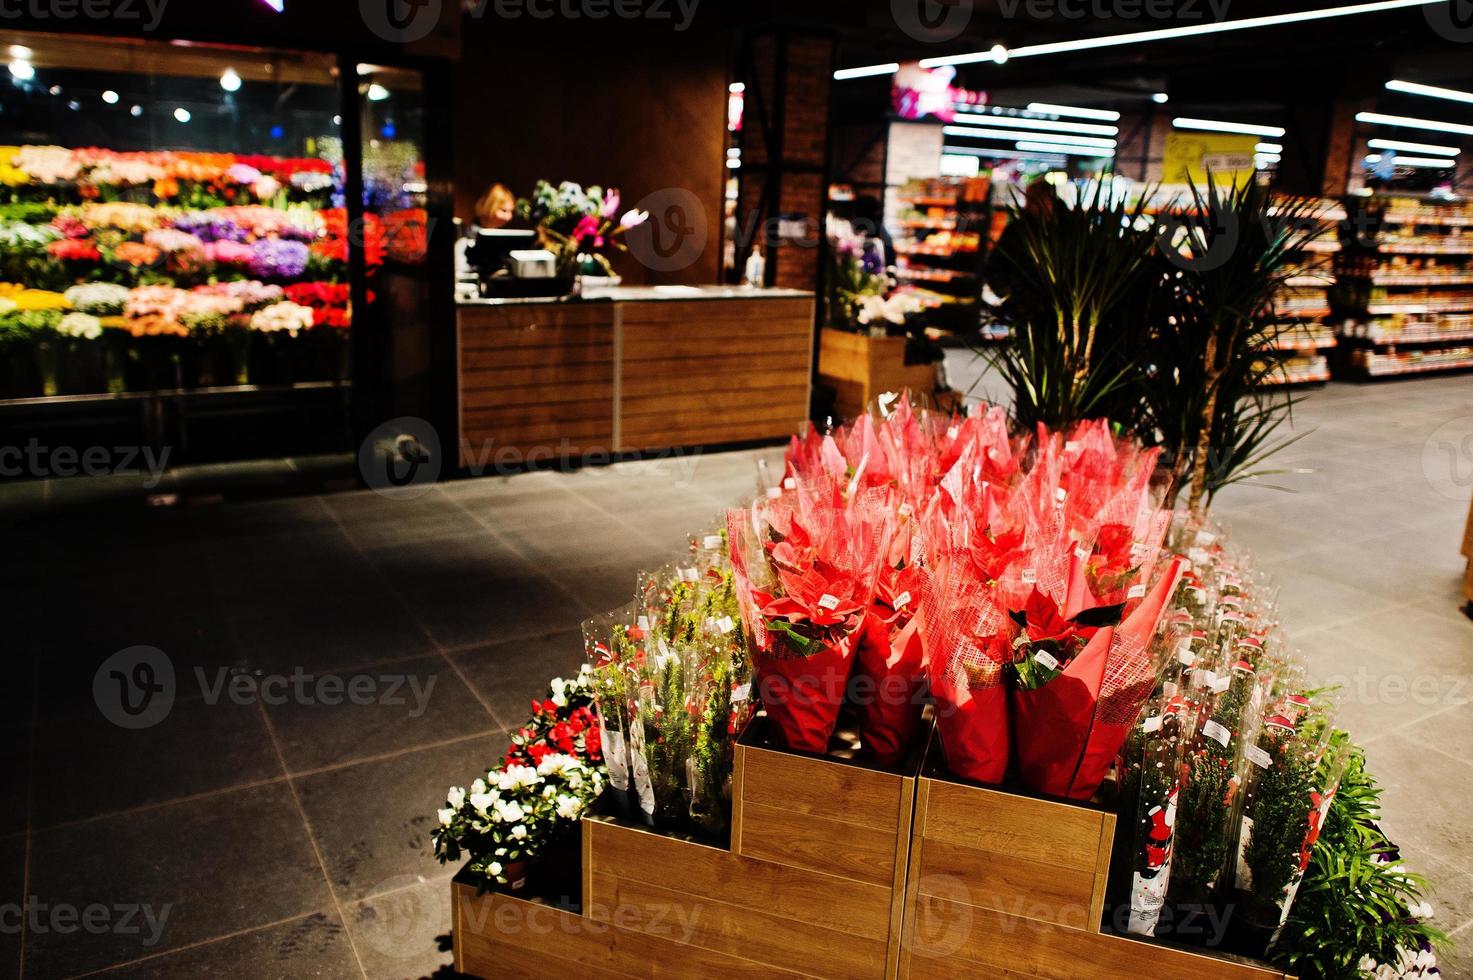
column 582, row 227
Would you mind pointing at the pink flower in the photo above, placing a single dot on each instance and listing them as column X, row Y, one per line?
column 587, row 227
column 633, row 218
column 611, row 202
column 228, row 253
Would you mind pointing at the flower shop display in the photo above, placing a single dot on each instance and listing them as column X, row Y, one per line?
column 141, row 240
column 581, row 226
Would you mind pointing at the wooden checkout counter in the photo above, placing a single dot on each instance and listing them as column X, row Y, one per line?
column 630, row 369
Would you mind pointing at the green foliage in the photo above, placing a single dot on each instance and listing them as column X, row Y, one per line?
column 1353, row 902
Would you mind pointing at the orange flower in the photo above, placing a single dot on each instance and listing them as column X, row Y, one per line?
column 154, row 325
column 136, row 254
column 165, row 188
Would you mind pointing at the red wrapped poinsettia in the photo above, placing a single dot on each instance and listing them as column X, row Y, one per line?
column 804, row 589
column 891, row 661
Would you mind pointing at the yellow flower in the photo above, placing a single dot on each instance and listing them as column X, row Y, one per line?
column 38, row 299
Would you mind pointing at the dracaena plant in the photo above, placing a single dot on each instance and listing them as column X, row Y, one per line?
column 1068, row 273
column 1212, row 358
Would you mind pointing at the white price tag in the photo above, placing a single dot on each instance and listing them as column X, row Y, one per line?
column 1060, row 494
column 1136, row 591
column 951, row 433
column 711, row 541
column 906, row 509
column 1047, row 659
column 1216, row 732
column 1184, row 654
column 725, row 625
column 1081, row 553
column 644, row 622
column 1152, row 724
column 1258, row 757
column 689, row 575
column 741, row 693
column 774, row 492
column 902, row 600
column 1070, row 445
column 789, row 483
column 1221, row 683
column 1029, row 576
column 828, row 602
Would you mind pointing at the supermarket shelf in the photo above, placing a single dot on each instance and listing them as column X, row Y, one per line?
column 1307, row 345
column 1422, row 338
column 929, row 202
column 933, row 275
column 1431, row 220
column 1309, row 282
column 1315, row 378
column 928, row 224
column 1398, row 372
column 1444, row 306
column 1423, row 248
column 1433, row 280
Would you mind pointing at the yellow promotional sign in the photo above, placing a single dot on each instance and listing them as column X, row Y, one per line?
column 1192, row 155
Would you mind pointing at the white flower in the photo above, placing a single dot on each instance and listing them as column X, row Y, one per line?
column 494, row 867
column 446, row 816
column 81, row 325
column 285, row 315
column 483, row 802
column 509, row 811
column 556, row 764
column 479, row 786
column 516, row 777
column 519, row 832
column 1422, row 910
column 456, row 797
column 558, row 697
column 569, row 807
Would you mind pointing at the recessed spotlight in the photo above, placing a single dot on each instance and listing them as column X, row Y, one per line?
column 377, row 93
column 21, row 52
column 110, row 97
column 1160, row 98
column 999, row 54
column 735, row 87
column 22, row 70
column 136, row 111
column 230, row 80
column 182, row 114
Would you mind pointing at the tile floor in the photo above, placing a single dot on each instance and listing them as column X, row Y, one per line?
column 292, row 840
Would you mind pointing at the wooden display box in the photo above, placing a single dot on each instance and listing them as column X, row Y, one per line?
column 860, row 367
column 1007, row 884
column 1468, row 551
column 812, row 885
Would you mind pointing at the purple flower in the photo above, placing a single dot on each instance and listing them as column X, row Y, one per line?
column 243, row 174
column 208, row 228
column 276, row 258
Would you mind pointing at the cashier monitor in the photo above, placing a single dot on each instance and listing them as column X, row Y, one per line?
column 493, row 246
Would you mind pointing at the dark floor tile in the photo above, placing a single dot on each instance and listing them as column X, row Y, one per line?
column 314, row 945
column 197, row 747
column 15, row 779
column 471, row 614
column 372, row 821
column 606, row 585
column 1425, row 800
column 475, row 556
column 397, row 522
column 324, row 632
column 509, row 675
column 204, row 868
column 375, row 711
column 590, row 538
column 405, row 932
column 12, row 890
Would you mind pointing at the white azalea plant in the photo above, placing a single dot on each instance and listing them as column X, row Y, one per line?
column 510, row 816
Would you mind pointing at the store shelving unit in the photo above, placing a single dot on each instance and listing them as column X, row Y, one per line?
column 1404, row 295
column 1302, row 308
column 942, row 225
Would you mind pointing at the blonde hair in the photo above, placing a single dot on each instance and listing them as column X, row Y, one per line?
column 495, row 207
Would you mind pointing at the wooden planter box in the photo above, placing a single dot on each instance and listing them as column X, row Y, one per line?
column 812, row 885
column 1005, row 884
column 859, row 368
column 1468, row 551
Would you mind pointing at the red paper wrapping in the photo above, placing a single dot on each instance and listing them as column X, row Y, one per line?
column 802, row 694
column 1051, row 723
column 966, row 637
column 890, row 704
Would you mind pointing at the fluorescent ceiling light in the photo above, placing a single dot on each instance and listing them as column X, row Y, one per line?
column 230, row 80
column 1432, row 91
column 1437, row 162
column 1078, row 151
column 1221, row 126
column 1273, row 157
column 1436, row 126
column 110, row 97
column 1019, row 134
column 735, row 87
column 1170, row 33
column 1268, row 148
column 978, row 151
column 1068, row 110
column 21, row 51
column 866, row 71
column 1445, row 151
column 182, row 114
column 1160, row 98
column 1047, row 125
column 377, row 93
column 22, row 70
column 998, row 54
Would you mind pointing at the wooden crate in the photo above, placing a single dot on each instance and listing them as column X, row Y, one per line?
column 859, row 368
column 812, row 885
column 1007, row 884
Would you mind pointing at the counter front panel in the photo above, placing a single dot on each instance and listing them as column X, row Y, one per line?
column 544, row 380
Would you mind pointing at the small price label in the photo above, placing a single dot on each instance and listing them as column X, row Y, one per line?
column 689, row 575
column 1070, row 445
column 725, row 625
column 906, row 509
column 1081, row 553
column 741, row 693
column 828, row 602
column 952, row 432
column 789, row 483
column 1029, row 576
column 1221, row 683
column 1184, row 654
column 1216, row 732
column 1136, row 591
column 1046, row 659
column 774, row 492
column 711, row 542
column 1152, row 724
column 1060, row 494
column 1258, row 757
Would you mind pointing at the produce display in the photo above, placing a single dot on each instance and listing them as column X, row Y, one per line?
column 143, row 270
